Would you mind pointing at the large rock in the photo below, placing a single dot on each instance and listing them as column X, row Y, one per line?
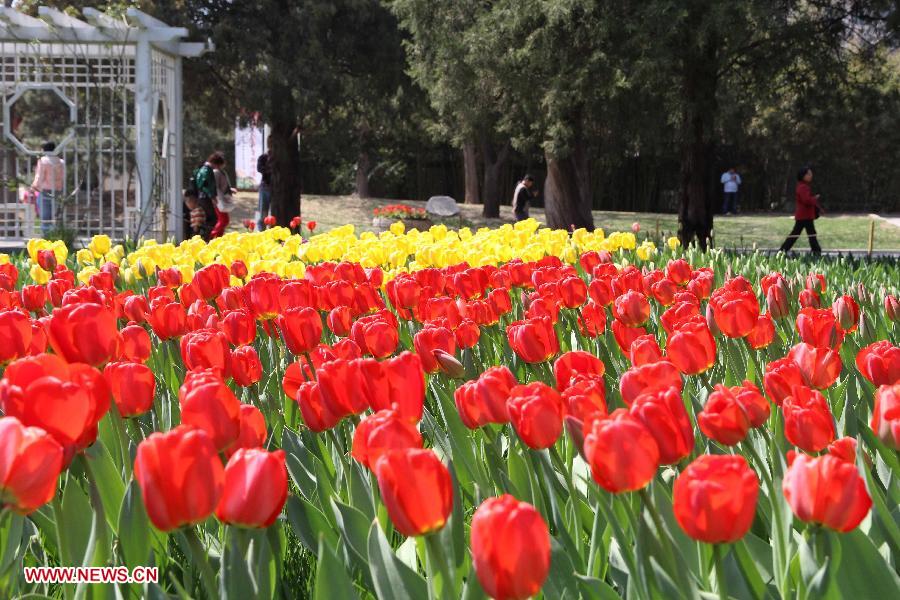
column 443, row 206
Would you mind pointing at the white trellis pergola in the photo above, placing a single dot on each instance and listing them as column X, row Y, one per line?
column 120, row 81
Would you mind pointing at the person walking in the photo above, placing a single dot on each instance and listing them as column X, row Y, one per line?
column 521, row 197
column 731, row 182
column 806, row 212
column 49, row 180
column 264, row 167
column 212, row 184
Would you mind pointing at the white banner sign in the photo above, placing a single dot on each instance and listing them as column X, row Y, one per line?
column 249, row 143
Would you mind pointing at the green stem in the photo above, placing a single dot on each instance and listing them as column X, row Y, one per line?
column 438, row 558
column 663, row 535
column 718, row 559
column 201, row 560
column 124, row 446
column 625, row 544
column 62, row 542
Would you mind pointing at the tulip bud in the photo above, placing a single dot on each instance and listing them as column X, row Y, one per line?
column 711, row 321
column 448, row 364
column 867, row 333
column 777, row 301
column 47, row 260
column 892, row 308
column 575, row 428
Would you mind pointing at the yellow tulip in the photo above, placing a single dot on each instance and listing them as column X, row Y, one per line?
column 39, row 275
column 84, row 276
column 100, row 245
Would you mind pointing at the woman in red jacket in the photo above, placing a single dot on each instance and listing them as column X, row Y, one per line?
column 805, row 214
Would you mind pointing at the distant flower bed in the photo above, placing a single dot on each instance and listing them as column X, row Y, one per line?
column 399, row 211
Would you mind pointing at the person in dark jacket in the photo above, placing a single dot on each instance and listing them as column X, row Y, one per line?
column 264, row 167
column 521, row 197
column 806, row 212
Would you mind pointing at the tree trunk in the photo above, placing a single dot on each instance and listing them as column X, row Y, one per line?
column 470, row 167
column 363, row 164
column 567, row 191
column 493, row 164
column 286, row 183
column 695, row 213
column 285, row 138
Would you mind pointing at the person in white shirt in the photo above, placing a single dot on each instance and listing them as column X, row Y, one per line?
column 49, row 180
column 732, row 181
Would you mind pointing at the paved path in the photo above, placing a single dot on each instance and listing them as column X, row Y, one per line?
column 892, row 219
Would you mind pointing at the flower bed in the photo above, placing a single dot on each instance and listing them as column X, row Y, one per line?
column 450, row 414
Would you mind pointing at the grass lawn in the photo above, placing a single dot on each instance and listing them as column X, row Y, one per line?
column 766, row 230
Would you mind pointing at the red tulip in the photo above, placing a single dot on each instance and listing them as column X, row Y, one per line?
column 416, row 489
column 533, row 340
column 762, row 334
column 317, row 414
column 536, row 412
column 692, row 348
column 34, row 297
column 209, row 281
column 15, row 335
column 84, row 333
column 484, row 401
column 777, row 302
column 239, row 327
column 376, row 334
column 622, row 453
column 171, row 277
column 820, row 366
column 239, row 269
column 735, row 309
column 180, row 475
column 600, row 291
column 39, row 339
column 826, row 490
column 649, row 378
column 723, row 418
column 29, row 468
column 301, row 329
column 592, row 320
column 816, row 282
column 664, row 291
column 677, row 314
column 808, row 423
column 397, row 383
column 132, row 385
column 168, row 319
column 714, row 498
column 809, row 299
column 572, row 291
column 664, row 416
column 383, row 431
column 253, row 430
column 340, row 320
column 206, row 349
column 780, row 378
column 880, row 363
column 819, row 328
column 430, row 339
column 625, row 336
column 701, row 283
column 843, row 448
column 135, row 346
column 632, row 309
column 246, row 369
column 311, row 225
column 576, row 362
column 846, row 313
column 263, row 295
column 679, row 271
column 65, row 400
column 886, row 415
column 510, row 548
column 644, row 350
column 585, row 396
column 337, row 396
column 255, row 488
column 753, row 402
column 208, row 404
column 891, row 308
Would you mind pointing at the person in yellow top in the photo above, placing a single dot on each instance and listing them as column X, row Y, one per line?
column 49, row 180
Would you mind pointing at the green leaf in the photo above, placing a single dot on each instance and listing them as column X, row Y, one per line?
column 309, row 523
column 134, row 528
column 392, row 579
column 561, row 580
column 108, row 480
column 354, row 528
column 75, row 521
column 863, row 572
column 332, row 580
